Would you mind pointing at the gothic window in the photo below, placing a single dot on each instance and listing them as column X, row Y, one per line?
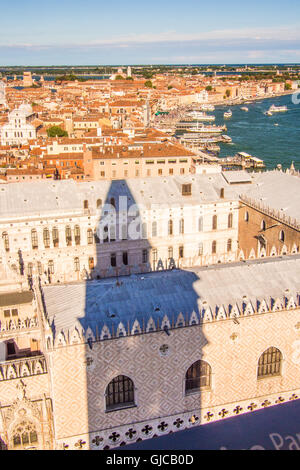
column 34, row 239
column 46, row 238
column 230, row 220
column 154, row 229
column 25, row 436
column 200, row 224
column 281, row 236
column 214, row 247
column 181, row 251
column 269, row 363
column 55, row 237
column 113, row 260
column 229, row 245
column 181, row 226
column 145, row 256
column 77, row 234
column 5, row 241
column 90, row 237
column 263, row 225
column 214, row 222
column 76, row 264
column 197, row 377
column 170, row 227
column 39, row 268
column 246, row 216
column 91, row 263
column 119, row 393
column 99, row 203
column 29, row 269
column 68, row 235
column 51, row 266
column 125, row 258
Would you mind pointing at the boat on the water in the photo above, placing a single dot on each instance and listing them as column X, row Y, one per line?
column 199, row 128
column 277, row 109
column 244, row 108
column 207, row 107
column 199, row 116
column 228, row 114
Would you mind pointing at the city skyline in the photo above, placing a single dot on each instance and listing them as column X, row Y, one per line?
column 95, row 33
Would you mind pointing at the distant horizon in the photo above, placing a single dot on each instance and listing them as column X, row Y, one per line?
column 221, row 64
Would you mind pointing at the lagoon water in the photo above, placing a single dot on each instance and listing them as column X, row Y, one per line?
column 259, row 135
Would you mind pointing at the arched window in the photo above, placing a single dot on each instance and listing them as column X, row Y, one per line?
column 269, row 363
column 181, row 226
column 90, row 236
column 198, row 376
column 77, row 234
column 91, row 263
column 119, row 393
column 200, row 224
column 170, row 227
column 29, row 269
column 230, row 220
column 68, row 235
column 200, row 249
column 86, row 204
column 154, row 228
column 170, row 252
column 281, row 236
column 214, row 247
column 76, row 265
column 246, row 216
column 5, row 241
column 39, row 268
column 55, row 237
column 51, row 266
column 46, row 238
column 34, row 239
column 263, row 225
column 214, row 222
column 99, row 203
column 229, row 245
column 24, row 436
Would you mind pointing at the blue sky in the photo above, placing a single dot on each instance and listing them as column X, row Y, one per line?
column 83, row 32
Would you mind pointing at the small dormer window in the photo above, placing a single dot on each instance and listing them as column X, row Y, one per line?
column 187, row 189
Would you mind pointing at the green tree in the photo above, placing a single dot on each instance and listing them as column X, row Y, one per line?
column 56, row 131
column 228, row 93
column 148, row 84
column 287, row 86
column 208, row 88
column 119, row 77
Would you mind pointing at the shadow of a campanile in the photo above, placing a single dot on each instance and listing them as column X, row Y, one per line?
column 143, row 355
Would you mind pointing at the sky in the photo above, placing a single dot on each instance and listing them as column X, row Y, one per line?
column 121, row 32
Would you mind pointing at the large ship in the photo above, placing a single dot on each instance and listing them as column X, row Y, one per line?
column 199, row 116
column 277, row 109
column 199, row 128
column 207, row 107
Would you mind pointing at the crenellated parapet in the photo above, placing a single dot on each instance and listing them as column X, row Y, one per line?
column 206, row 314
